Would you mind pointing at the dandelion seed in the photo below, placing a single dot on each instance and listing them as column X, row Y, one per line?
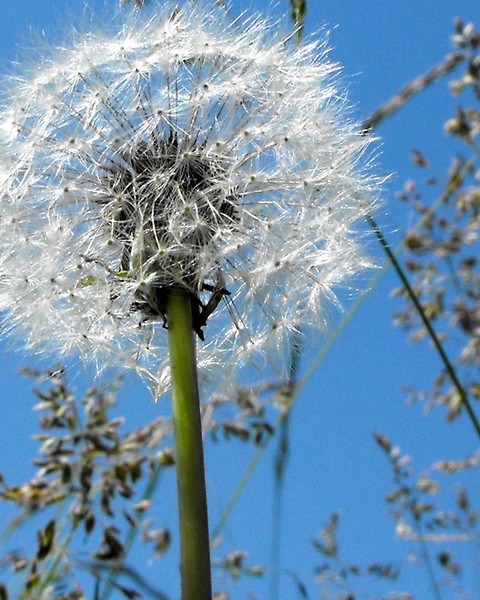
column 182, row 151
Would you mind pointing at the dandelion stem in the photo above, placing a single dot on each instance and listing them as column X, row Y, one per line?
column 192, row 498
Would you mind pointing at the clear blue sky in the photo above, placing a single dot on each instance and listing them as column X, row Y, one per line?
column 335, row 465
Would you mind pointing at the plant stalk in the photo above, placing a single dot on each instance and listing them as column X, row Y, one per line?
column 192, row 497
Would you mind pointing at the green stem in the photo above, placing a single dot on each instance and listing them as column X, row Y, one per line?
column 192, row 497
column 427, row 324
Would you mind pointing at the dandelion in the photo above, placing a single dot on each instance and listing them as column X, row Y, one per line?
column 180, row 155
column 180, row 151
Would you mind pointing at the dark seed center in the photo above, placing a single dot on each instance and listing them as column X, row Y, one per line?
column 167, row 203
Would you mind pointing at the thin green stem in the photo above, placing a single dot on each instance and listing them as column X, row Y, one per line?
column 281, row 462
column 192, row 497
column 427, row 561
column 426, row 322
column 278, row 497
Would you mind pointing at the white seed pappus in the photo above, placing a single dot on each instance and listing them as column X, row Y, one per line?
column 182, row 150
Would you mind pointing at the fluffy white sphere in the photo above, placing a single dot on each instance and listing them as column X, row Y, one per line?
column 182, row 150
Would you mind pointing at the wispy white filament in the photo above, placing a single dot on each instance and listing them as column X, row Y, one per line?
column 182, row 150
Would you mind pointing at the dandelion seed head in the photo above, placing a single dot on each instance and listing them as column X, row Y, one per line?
column 181, row 151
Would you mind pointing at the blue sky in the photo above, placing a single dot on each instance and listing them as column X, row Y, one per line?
column 355, row 392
